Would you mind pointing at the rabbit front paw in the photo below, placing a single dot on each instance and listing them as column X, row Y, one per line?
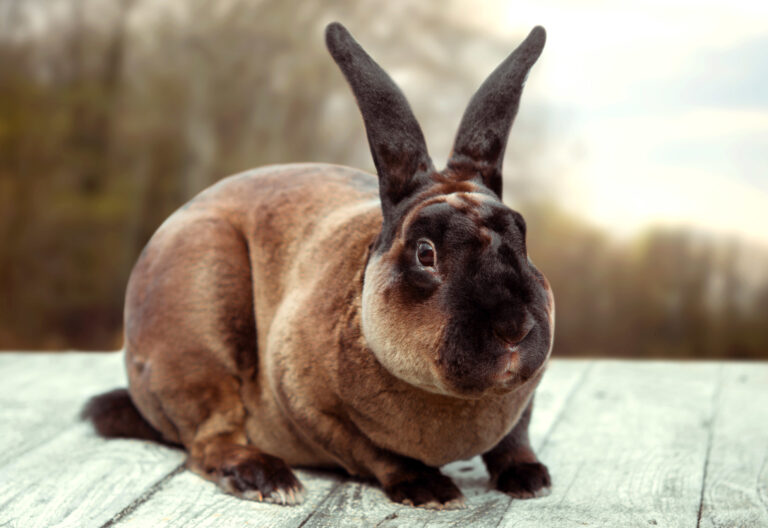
column 525, row 480
column 264, row 478
column 431, row 490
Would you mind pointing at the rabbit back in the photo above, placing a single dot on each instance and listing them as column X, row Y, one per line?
column 226, row 264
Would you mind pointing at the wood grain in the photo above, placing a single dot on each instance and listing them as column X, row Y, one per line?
column 80, row 480
column 630, row 451
column 187, row 500
column 54, row 470
column 41, row 394
column 735, row 491
column 47, row 377
column 628, row 443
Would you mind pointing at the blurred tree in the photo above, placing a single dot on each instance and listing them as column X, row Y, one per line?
column 112, row 114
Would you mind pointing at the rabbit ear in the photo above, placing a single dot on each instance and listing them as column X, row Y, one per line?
column 482, row 136
column 397, row 143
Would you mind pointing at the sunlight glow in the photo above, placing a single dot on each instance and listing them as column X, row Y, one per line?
column 650, row 93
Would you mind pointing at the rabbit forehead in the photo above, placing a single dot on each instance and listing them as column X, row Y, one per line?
column 464, row 217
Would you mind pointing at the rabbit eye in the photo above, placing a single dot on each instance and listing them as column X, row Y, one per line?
column 425, row 253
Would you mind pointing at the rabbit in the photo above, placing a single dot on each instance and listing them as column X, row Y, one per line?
column 315, row 315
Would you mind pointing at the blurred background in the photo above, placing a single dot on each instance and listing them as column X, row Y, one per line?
column 638, row 157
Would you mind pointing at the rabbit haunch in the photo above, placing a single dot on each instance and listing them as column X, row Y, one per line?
column 283, row 316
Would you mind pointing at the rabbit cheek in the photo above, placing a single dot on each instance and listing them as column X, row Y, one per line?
column 403, row 339
column 534, row 352
column 549, row 300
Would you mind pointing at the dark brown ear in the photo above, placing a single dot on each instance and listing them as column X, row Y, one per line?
column 396, row 141
column 482, row 136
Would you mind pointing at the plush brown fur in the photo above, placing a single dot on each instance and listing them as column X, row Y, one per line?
column 268, row 324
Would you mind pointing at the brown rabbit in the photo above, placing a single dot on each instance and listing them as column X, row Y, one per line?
column 316, row 315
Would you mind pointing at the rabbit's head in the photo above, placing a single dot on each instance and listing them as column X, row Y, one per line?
column 451, row 303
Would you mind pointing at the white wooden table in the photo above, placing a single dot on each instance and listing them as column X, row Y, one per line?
column 628, row 443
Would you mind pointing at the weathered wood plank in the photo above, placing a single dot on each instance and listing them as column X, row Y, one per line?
column 80, row 480
column 626, row 443
column 735, row 489
column 630, row 451
column 560, row 382
column 8, row 358
column 54, row 470
column 359, row 504
column 57, row 376
column 188, row 500
column 26, row 427
column 41, row 394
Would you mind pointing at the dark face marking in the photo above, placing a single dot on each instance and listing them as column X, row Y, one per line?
column 486, row 288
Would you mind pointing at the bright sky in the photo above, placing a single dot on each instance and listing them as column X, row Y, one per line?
column 660, row 108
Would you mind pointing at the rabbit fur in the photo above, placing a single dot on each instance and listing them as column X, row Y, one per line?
column 317, row 315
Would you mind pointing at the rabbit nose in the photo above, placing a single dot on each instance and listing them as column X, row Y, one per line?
column 522, row 332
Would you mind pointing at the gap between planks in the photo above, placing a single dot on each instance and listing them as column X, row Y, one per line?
column 543, row 444
column 710, row 436
column 737, row 481
column 144, row 497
